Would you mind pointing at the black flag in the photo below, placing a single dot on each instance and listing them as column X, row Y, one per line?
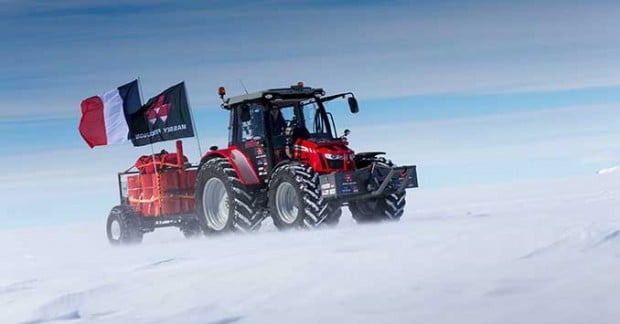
column 164, row 117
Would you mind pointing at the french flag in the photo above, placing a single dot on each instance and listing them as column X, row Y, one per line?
column 103, row 119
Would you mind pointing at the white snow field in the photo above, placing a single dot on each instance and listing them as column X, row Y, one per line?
column 537, row 252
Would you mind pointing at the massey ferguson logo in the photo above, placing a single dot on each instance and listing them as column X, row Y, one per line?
column 159, row 110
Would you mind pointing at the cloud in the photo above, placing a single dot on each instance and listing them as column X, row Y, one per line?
column 609, row 170
column 378, row 51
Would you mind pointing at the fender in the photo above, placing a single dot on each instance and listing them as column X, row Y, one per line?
column 239, row 161
column 368, row 155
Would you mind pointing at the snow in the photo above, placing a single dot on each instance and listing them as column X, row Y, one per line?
column 531, row 252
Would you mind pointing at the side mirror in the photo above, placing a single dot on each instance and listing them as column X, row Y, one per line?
column 347, row 132
column 245, row 113
column 353, row 105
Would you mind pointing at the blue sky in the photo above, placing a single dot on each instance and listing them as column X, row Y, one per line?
column 490, row 86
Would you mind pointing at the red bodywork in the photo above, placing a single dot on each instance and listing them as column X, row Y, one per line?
column 240, row 162
column 316, row 154
column 165, row 183
column 309, row 152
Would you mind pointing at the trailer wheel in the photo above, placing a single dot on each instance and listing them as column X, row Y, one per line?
column 294, row 198
column 388, row 208
column 223, row 203
column 123, row 226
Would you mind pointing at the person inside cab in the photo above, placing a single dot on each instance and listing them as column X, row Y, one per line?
column 278, row 124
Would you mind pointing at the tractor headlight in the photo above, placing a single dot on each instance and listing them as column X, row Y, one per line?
column 334, row 156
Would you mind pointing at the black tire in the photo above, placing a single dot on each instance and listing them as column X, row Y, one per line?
column 217, row 177
column 388, row 208
column 294, row 198
column 191, row 229
column 248, row 216
column 333, row 215
column 123, row 226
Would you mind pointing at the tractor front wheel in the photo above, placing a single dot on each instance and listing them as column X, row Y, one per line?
column 333, row 215
column 388, row 208
column 294, row 198
column 123, row 226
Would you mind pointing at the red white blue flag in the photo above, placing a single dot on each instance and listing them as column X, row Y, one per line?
column 103, row 119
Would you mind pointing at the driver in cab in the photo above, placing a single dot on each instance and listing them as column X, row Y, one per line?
column 278, row 124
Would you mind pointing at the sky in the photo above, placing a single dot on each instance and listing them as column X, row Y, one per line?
column 472, row 92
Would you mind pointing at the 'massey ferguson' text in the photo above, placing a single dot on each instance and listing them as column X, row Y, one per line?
column 165, row 130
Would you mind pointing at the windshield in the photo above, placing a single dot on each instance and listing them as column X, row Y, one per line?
column 315, row 122
column 307, row 118
column 312, row 119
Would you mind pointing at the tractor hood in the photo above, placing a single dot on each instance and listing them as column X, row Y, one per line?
column 326, row 155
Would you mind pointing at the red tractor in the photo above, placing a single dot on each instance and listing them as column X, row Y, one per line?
column 284, row 160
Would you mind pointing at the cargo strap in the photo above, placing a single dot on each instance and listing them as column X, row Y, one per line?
column 159, row 163
column 154, row 199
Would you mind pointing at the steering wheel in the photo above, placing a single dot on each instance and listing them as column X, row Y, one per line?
column 290, row 126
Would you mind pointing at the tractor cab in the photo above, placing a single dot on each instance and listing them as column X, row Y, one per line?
column 278, row 125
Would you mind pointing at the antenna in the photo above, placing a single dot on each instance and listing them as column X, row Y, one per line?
column 243, row 85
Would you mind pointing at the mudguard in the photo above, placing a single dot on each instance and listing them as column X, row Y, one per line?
column 239, row 161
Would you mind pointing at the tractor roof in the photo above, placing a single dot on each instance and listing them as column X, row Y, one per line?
column 294, row 92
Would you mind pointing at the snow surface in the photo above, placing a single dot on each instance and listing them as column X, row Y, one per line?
column 537, row 252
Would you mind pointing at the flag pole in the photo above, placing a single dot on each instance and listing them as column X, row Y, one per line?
column 191, row 112
column 157, row 178
column 141, row 103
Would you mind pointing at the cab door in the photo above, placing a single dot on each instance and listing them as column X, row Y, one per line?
column 251, row 138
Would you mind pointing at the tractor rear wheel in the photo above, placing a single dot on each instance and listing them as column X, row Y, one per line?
column 223, row 203
column 388, row 208
column 294, row 198
column 123, row 226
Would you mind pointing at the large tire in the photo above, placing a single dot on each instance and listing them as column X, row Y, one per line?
column 223, row 203
column 388, row 208
column 191, row 228
column 123, row 226
column 333, row 215
column 295, row 199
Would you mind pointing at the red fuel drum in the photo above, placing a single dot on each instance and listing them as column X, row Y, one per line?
column 147, row 204
column 168, row 191
column 169, row 203
column 188, row 200
column 134, row 190
column 159, row 195
column 164, row 185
